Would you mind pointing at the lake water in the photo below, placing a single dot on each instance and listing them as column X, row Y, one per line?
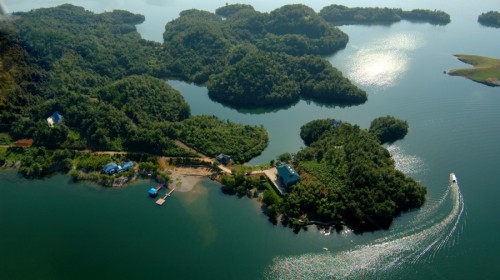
column 53, row 229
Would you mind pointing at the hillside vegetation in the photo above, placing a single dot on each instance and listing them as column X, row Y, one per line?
column 106, row 82
column 347, row 178
column 252, row 59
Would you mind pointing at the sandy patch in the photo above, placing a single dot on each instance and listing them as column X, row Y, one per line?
column 183, row 179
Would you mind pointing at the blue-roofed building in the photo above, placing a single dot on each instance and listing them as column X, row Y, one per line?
column 111, row 168
column 223, row 159
column 56, row 118
column 287, row 175
column 126, row 165
column 153, row 192
column 336, row 123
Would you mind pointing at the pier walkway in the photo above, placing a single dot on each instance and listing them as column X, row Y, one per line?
column 163, row 199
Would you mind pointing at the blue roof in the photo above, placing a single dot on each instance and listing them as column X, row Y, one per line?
column 152, row 191
column 336, row 123
column 56, row 117
column 222, row 158
column 110, row 167
column 127, row 165
column 287, row 174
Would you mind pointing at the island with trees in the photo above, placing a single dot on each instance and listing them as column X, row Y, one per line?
column 347, row 179
column 342, row 15
column 388, row 129
column 250, row 59
column 485, row 70
column 83, row 90
column 491, row 19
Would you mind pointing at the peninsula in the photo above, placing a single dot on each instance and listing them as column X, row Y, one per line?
column 485, row 70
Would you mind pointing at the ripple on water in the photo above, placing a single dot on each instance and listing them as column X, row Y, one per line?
column 385, row 257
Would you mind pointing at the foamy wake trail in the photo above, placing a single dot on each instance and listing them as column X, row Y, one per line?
column 382, row 256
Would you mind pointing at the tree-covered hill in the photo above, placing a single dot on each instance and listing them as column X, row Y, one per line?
column 211, row 136
column 103, row 78
column 349, row 178
column 388, row 129
column 252, row 59
column 145, row 99
column 261, row 79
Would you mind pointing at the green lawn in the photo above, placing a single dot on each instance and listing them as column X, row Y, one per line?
column 486, row 70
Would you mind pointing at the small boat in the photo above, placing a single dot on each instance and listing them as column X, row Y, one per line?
column 453, row 178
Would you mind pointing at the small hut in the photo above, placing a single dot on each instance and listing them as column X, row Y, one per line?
column 54, row 119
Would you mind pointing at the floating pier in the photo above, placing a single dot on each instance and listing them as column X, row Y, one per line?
column 163, row 199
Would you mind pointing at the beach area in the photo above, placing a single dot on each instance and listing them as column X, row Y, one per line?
column 183, row 179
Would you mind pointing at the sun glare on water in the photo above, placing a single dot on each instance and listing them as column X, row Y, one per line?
column 381, row 63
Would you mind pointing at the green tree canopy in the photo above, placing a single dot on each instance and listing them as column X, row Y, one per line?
column 388, row 129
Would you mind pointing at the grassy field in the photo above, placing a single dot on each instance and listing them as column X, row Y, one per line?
column 486, row 70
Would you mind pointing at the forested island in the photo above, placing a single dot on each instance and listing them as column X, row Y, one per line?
column 485, row 70
column 491, row 18
column 253, row 59
column 388, row 129
column 347, row 178
column 342, row 15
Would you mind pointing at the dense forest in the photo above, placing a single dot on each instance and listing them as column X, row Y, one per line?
column 342, row 15
column 347, row 178
column 491, row 18
column 251, row 59
column 97, row 72
column 388, row 129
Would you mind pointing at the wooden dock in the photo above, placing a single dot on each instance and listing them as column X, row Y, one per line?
column 163, row 199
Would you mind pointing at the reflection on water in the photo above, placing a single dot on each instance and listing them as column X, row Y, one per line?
column 382, row 62
column 383, row 258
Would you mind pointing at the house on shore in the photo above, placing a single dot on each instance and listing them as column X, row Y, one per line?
column 223, row 159
column 113, row 168
column 56, row 118
column 287, row 175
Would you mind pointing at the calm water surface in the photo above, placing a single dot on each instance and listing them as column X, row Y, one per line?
column 52, row 229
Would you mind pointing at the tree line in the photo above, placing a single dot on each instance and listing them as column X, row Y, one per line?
column 491, row 18
column 342, row 15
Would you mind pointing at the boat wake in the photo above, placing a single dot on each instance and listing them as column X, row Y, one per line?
column 385, row 257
